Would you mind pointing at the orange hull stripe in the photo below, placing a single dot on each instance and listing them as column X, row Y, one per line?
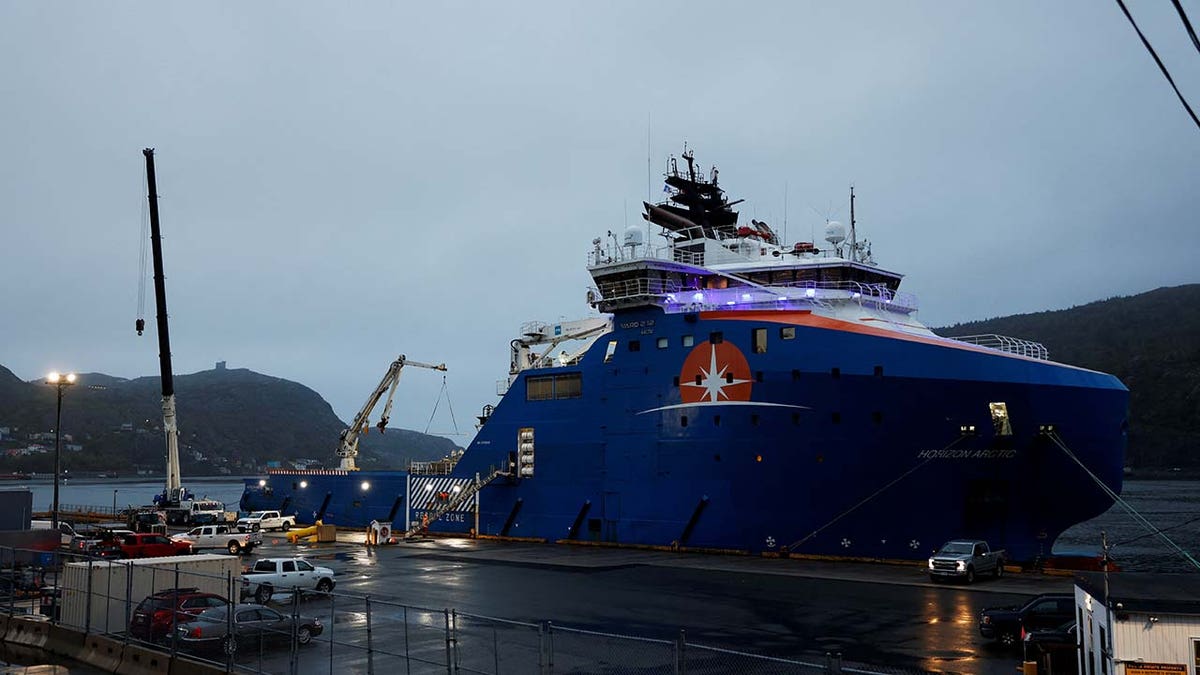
column 805, row 317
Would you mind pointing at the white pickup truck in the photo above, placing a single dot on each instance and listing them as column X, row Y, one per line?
column 265, row 520
column 270, row 575
column 220, row 536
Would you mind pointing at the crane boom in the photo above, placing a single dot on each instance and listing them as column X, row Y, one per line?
column 174, row 488
column 348, row 445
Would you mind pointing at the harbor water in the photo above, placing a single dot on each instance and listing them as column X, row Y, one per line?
column 1172, row 506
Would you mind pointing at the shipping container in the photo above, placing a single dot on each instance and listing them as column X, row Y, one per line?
column 100, row 596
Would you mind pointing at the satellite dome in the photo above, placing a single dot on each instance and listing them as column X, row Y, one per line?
column 835, row 232
column 634, row 236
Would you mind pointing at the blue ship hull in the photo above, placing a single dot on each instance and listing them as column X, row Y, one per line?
column 838, row 442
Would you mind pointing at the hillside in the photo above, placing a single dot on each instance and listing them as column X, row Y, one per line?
column 1151, row 342
column 231, row 421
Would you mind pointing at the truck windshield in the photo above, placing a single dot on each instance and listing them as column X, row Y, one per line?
column 957, row 548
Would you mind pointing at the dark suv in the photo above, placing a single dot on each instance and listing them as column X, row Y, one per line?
column 152, row 620
column 1007, row 624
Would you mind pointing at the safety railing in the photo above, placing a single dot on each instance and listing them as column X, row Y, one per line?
column 121, row 614
column 1004, row 343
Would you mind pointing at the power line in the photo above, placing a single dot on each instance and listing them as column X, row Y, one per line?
column 1187, row 24
column 1159, row 61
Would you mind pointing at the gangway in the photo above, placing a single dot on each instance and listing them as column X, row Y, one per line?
column 452, row 502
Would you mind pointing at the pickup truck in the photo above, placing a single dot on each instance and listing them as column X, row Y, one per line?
column 965, row 559
column 146, row 545
column 1007, row 624
column 220, row 536
column 285, row 574
column 265, row 520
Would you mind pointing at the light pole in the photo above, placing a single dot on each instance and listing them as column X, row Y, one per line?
column 59, row 382
column 115, row 503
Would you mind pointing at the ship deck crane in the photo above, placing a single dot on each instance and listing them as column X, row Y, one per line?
column 348, row 446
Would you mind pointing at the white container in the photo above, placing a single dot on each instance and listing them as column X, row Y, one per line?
column 109, row 591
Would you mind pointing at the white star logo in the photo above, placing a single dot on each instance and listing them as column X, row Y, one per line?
column 714, row 381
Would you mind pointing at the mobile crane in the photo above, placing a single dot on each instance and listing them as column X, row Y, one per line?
column 348, row 445
column 174, row 495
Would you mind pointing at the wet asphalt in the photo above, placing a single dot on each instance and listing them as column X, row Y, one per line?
column 871, row 613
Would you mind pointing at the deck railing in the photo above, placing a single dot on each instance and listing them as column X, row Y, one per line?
column 1004, row 343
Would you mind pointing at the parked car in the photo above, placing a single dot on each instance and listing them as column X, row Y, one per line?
column 251, row 624
column 220, row 536
column 965, row 559
column 1056, row 650
column 284, row 574
column 265, row 520
column 1007, row 624
column 152, row 620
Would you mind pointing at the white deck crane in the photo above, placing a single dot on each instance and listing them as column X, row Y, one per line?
column 348, row 447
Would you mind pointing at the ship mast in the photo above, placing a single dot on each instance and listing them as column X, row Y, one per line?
column 853, row 242
column 172, row 493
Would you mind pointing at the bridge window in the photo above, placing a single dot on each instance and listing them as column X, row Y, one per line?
column 663, row 343
column 716, row 338
column 689, row 340
column 548, row 387
column 759, row 340
column 568, row 385
column 635, row 345
column 1000, row 422
column 539, row 388
column 787, row 333
column 612, row 349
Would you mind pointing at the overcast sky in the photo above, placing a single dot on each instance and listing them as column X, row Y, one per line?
column 341, row 184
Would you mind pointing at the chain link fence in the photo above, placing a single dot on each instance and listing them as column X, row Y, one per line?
column 199, row 608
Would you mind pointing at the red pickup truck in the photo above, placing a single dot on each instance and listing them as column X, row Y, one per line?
column 147, row 545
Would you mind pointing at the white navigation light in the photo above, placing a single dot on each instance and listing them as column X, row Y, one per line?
column 303, row 484
column 262, row 483
column 366, row 486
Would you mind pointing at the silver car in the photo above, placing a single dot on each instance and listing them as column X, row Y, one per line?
column 251, row 624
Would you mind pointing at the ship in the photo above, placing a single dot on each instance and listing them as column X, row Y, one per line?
column 731, row 392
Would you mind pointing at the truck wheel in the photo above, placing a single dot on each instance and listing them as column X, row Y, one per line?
column 324, row 585
column 229, row 645
column 254, row 527
column 1008, row 638
column 234, row 548
column 263, row 594
column 970, row 575
column 999, row 569
column 303, row 635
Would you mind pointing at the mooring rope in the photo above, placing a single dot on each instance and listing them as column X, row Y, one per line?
column 1139, row 518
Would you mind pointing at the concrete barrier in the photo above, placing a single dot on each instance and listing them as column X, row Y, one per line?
column 182, row 665
column 29, row 631
column 101, row 652
column 138, row 660
column 3, row 625
column 64, row 641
